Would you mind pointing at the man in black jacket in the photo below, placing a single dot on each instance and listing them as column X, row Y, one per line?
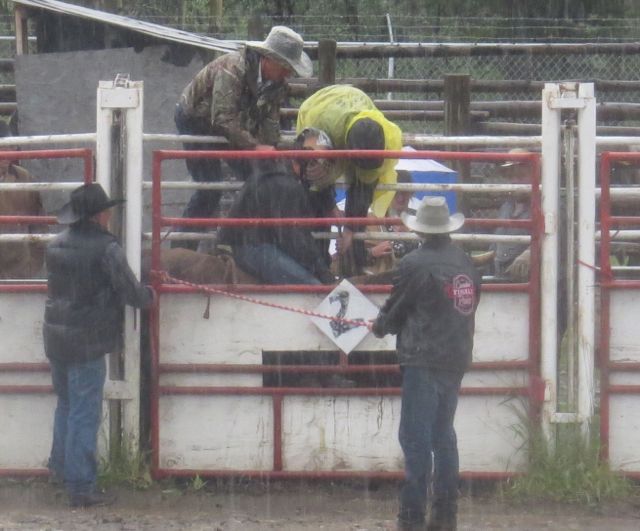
column 89, row 282
column 431, row 308
column 275, row 255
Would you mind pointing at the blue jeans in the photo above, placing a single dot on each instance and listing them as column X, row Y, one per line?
column 429, row 401
column 271, row 265
column 78, row 387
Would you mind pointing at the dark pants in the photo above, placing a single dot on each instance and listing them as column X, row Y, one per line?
column 429, row 401
column 358, row 200
column 78, row 387
column 204, row 203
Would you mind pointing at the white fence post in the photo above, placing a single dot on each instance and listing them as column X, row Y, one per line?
column 125, row 96
column 551, row 144
column 586, row 251
column 133, row 247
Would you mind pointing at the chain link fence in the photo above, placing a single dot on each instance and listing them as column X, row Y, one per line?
column 405, row 28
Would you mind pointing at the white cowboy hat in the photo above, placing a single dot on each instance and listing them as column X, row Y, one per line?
column 432, row 217
column 514, row 151
column 285, row 46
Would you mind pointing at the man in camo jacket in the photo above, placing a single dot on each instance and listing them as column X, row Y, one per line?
column 238, row 95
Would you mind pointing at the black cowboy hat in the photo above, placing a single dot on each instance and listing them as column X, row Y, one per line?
column 86, row 201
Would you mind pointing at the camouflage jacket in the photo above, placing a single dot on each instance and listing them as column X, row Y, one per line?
column 227, row 92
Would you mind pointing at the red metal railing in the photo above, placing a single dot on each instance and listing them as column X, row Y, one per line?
column 534, row 391
column 608, row 283
column 86, row 155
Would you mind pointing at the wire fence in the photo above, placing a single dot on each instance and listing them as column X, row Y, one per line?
column 406, row 28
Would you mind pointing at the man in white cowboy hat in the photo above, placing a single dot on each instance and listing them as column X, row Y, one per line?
column 512, row 260
column 436, row 291
column 89, row 282
column 238, row 96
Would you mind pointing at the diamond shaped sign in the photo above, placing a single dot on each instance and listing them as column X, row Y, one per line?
column 345, row 302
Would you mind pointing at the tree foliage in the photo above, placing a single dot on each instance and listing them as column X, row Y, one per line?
column 573, row 9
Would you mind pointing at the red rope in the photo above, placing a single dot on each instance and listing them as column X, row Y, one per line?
column 165, row 277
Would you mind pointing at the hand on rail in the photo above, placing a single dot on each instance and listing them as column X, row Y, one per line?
column 344, row 242
column 519, row 269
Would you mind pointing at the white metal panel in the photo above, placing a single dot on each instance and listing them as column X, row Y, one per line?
column 211, row 380
column 624, row 433
column 488, row 430
column 341, row 433
column 624, row 378
column 27, row 425
column 502, row 327
column 216, row 432
column 625, row 332
column 21, row 316
column 238, row 332
column 495, row 379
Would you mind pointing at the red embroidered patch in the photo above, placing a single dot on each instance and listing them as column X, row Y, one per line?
column 463, row 294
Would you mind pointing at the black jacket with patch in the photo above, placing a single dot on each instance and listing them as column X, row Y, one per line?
column 436, row 290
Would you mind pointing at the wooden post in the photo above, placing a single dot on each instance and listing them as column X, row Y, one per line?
column 326, row 62
column 22, row 31
column 457, row 103
column 216, row 10
column 255, row 28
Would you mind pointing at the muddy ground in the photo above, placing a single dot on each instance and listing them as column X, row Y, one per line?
column 285, row 506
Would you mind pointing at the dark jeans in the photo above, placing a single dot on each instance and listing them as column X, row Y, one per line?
column 358, row 200
column 78, row 387
column 271, row 265
column 204, row 203
column 429, row 401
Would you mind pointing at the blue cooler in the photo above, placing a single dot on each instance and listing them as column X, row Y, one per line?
column 422, row 171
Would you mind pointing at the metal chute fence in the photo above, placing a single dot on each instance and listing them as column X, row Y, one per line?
column 619, row 359
column 26, row 395
column 212, row 414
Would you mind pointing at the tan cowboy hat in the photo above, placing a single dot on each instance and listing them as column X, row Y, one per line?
column 514, row 151
column 432, row 217
column 285, row 46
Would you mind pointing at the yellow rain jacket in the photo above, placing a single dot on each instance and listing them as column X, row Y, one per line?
column 335, row 109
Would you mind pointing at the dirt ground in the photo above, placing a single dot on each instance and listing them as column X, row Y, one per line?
column 284, row 506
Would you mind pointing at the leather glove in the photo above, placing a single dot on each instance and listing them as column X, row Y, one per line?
column 326, row 277
column 376, row 328
column 519, row 269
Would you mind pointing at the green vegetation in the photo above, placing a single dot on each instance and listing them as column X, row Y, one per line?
column 197, row 484
column 125, row 467
column 572, row 471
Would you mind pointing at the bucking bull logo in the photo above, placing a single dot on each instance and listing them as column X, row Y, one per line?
column 463, row 294
column 339, row 327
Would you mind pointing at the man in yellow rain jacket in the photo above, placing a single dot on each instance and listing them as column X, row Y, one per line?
column 352, row 121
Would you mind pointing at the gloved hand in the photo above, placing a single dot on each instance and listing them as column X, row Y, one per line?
column 376, row 328
column 326, row 277
column 519, row 269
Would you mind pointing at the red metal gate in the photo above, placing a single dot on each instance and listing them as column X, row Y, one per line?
column 12, row 367
column 532, row 391
column 619, row 357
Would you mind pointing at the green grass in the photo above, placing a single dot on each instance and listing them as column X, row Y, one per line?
column 125, row 467
column 569, row 471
